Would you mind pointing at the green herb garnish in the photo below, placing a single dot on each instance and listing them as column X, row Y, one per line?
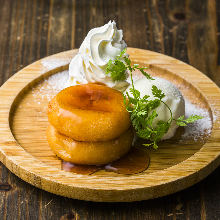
column 142, row 110
column 117, row 69
column 181, row 121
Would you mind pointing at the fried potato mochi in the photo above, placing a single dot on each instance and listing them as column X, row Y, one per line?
column 89, row 153
column 89, row 112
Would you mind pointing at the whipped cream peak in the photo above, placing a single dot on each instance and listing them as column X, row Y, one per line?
column 100, row 45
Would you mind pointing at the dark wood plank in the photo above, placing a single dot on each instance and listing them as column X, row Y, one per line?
column 187, row 30
column 60, row 26
column 5, row 27
column 202, row 39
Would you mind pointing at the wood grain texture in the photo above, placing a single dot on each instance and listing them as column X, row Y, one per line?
column 27, row 202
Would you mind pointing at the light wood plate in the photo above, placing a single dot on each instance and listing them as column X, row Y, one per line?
column 25, row 152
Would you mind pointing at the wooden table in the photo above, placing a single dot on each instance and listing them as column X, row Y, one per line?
column 32, row 29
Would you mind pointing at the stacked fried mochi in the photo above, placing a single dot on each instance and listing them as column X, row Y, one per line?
column 89, row 125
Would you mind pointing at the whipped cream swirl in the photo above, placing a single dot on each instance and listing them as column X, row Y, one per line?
column 100, row 45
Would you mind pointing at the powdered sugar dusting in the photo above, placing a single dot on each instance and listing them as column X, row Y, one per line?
column 199, row 129
column 59, row 81
column 51, row 86
column 53, row 63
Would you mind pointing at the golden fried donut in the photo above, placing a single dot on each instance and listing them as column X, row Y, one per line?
column 88, row 153
column 89, row 112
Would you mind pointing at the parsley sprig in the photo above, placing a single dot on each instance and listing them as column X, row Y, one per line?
column 142, row 109
column 118, row 68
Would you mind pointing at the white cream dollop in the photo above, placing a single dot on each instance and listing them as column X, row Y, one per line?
column 173, row 98
column 100, row 45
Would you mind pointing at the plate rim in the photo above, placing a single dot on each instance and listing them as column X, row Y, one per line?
column 35, row 174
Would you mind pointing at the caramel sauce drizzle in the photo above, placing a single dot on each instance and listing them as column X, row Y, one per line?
column 135, row 161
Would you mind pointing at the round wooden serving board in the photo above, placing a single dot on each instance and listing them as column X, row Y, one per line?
column 174, row 166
